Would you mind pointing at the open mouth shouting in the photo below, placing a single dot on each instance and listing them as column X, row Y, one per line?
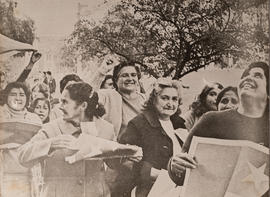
column 248, row 84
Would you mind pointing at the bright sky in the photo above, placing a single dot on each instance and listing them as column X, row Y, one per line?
column 57, row 17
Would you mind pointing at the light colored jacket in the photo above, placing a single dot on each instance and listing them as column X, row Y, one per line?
column 112, row 102
column 115, row 113
column 83, row 178
column 15, row 179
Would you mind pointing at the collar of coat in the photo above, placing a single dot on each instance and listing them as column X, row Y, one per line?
column 152, row 118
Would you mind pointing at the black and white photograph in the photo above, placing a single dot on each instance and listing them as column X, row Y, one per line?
column 134, row 98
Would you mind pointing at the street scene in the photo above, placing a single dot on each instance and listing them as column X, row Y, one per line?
column 134, row 98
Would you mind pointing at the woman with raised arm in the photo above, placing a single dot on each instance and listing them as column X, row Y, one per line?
column 15, row 102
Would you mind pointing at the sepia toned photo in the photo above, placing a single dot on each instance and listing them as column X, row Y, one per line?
column 134, row 98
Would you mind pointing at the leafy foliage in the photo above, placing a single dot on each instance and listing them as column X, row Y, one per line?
column 173, row 36
column 20, row 29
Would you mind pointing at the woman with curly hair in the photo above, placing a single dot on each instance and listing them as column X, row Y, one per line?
column 16, row 98
column 206, row 101
column 159, row 130
column 41, row 107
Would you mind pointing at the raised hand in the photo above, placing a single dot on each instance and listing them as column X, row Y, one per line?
column 35, row 57
column 108, row 63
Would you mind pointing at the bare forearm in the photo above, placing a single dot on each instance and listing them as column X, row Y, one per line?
column 23, row 76
column 96, row 79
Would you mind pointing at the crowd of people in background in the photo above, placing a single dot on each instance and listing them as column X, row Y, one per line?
column 122, row 111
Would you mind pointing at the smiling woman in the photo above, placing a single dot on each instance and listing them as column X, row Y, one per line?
column 250, row 121
column 160, row 132
column 41, row 107
column 16, row 96
column 16, row 99
column 126, row 77
column 253, row 84
column 205, row 102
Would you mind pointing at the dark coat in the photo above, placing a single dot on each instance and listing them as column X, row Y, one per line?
column 146, row 131
column 228, row 125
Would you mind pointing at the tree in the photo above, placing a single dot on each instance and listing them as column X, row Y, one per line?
column 256, row 18
column 170, row 36
column 194, row 33
column 20, row 29
column 119, row 33
column 68, row 57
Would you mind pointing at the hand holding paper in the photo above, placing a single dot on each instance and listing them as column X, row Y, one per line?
column 227, row 168
column 182, row 161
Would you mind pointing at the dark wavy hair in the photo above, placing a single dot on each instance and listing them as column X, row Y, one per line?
column 119, row 67
column 265, row 68
column 104, row 81
column 199, row 106
column 261, row 65
column 222, row 92
column 17, row 85
column 82, row 92
column 71, row 77
column 34, row 104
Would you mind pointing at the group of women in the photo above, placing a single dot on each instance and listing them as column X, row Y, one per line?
column 17, row 105
column 158, row 129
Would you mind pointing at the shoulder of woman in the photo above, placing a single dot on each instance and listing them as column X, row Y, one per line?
column 213, row 115
column 143, row 96
column 52, row 128
column 33, row 118
column 189, row 114
column 144, row 120
column 178, row 121
column 208, row 121
column 100, row 122
column 105, row 129
column 106, row 94
column 140, row 118
column 4, row 115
